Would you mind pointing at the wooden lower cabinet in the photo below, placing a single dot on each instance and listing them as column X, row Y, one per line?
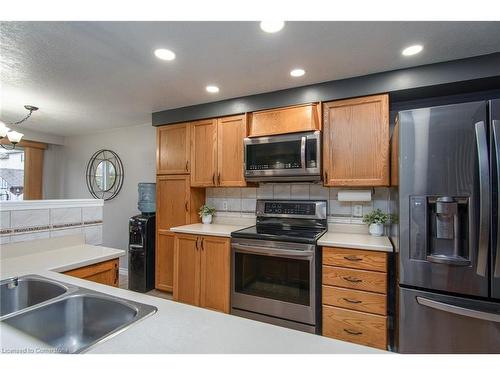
column 354, row 296
column 214, row 272
column 187, row 269
column 164, row 266
column 357, row 327
column 102, row 273
column 201, row 271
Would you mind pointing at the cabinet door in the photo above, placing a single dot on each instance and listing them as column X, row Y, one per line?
column 172, row 149
column 172, row 201
column 356, row 142
column 203, row 153
column 164, row 273
column 215, row 271
column 230, row 134
column 103, row 273
column 293, row 119
column 187, row 269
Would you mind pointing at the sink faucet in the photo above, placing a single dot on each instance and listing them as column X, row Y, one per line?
column 14, row 282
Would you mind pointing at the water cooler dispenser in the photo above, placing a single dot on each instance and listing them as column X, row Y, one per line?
column 141, row 248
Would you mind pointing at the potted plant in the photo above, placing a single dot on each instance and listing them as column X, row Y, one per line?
column 206, row 213
column 376, row 220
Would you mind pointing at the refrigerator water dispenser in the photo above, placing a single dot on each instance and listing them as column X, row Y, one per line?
column 439, row 229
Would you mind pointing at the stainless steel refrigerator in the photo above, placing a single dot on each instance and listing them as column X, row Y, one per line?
column 448, row 300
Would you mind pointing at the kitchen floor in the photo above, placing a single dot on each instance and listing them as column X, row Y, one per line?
column 123, row 284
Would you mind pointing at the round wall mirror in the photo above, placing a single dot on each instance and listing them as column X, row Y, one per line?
column 104, row 175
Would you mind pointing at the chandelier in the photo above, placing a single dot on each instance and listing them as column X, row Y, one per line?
column 13, row 136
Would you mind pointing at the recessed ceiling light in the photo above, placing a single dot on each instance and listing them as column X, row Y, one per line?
column 164, row 54
column 297, row 72
column 412, row 50
column 272, row 26
column 212, row 89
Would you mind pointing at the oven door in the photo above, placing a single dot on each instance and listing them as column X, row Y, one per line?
column 274, row 278
column 281, row 157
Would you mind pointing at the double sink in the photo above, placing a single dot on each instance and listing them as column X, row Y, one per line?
column 66, row 317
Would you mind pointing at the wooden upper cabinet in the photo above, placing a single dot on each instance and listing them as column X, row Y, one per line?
column 230, row 134
column 172, row 149
column 187, row 269
column 356, row 142
column 215, row 270
column 204, row 153
column 293, row 119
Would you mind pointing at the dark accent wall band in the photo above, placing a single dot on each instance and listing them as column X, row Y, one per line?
column 403, row 84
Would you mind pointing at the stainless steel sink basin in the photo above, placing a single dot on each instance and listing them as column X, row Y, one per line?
column 76, row 320
column 19, row 293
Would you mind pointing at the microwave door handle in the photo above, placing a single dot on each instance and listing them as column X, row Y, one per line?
column 496, row 140
column 458, row 310
column 303, row 153
column 484, row 199
column 262, row 250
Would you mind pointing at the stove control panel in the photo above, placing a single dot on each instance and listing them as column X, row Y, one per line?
column 289, row 208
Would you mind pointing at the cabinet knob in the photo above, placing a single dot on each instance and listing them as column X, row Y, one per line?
column 186, row 206
column 218, row 179
column 213, row 178
column 187, row 165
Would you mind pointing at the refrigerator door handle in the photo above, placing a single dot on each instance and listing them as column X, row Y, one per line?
column 457, row 310
column 496, row 139
column 484, row 199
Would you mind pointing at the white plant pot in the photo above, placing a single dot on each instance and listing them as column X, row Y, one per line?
column 376, row 229
column 206, row 219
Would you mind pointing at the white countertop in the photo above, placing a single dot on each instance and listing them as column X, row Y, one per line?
column 176, row 327
column 59, row 260
column 356, row 241
column 220, row 230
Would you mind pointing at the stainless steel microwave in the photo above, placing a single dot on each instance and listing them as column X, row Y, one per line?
column 288, row 157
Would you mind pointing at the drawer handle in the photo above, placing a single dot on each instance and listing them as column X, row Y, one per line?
column 355, row 333
column 351, row 300
column 353, row 258
column 352, row 279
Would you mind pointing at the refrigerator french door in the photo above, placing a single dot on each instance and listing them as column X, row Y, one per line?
column 448, row 204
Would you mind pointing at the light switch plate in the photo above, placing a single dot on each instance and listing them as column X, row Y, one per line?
column 357, row 210
column 224, row 205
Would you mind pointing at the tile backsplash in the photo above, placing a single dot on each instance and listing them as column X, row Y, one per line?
column 19, row 225
column 240, row 202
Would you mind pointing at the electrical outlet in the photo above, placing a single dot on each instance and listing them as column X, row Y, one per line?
column 224, row 205
column 357, row 210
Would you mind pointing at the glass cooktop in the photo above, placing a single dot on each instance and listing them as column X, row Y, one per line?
column 281, row 233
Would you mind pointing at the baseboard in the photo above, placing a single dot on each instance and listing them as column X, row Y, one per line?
column 123, row 271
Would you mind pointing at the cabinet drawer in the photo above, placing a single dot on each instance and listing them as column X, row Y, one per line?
column 359, row 259
column 355, row 279
column 355, row 300
column 357, row 327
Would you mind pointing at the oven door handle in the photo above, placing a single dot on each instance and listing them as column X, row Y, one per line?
column 272, row 251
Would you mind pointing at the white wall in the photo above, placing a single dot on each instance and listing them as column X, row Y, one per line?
column 136, row 147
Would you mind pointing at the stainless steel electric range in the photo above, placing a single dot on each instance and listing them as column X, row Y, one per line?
column 276, row 265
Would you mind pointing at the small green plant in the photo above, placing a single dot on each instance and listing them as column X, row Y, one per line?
column 206, row 210
column 376, row 217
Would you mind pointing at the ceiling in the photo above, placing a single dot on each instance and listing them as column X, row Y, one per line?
column 90, row 76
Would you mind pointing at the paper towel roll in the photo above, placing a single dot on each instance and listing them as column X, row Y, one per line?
column 354, row 195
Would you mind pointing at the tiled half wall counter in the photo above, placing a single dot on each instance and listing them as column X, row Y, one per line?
column 31, row 220
column 240, row 202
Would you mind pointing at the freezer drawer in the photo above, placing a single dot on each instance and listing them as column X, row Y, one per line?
column 435, row 323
